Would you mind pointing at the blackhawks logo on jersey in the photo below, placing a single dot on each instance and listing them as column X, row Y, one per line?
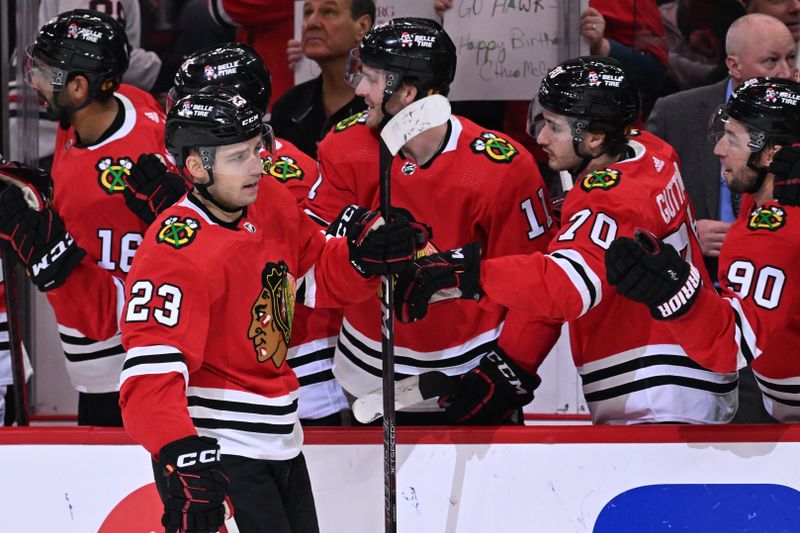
column 272, row 314
column 601, row 179
column 358, row 118
column 769, row 217
column 112, row 173
column 496, row 148
column 284, row 169
column 178, row 232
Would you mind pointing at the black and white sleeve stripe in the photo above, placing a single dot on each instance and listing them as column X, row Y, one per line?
column 745, row 337
column 157, row 359
column 586, row 282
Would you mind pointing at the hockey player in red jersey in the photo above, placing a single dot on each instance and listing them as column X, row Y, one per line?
column 466, row 182
column 632, row 366
column 756, row 319
column 152, row 188
column 75, row 65
column 208, row 319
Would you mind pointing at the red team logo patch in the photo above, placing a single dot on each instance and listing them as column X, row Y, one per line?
column 358, row 118
column 601, row 179
column 112, row 173
column 495, row 148
column 178, row 232
column 284, row 169
column 769, row 217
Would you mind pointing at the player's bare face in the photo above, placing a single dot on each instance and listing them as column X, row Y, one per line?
column 733, row 152
column 328, row 30
column 370, row 88
column 555, row 138
column 237, row 172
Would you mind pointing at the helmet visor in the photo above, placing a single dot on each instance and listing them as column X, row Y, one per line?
column 560, row 127
column 733, row 134
column 242, row 158
column 38, row 74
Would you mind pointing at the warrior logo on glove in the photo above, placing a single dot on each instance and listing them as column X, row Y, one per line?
column 272, row 314
column 112, row 174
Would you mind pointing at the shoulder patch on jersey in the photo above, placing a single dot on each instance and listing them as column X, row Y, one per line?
column 770, row 218
column 178, row 232
column 358, row 118
column 497, row 149
column 111, row 176
column 272, row 313
column 284, row 168
column 601, row 179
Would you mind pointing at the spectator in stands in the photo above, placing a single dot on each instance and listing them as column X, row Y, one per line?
column 756, row 45
column 331, row 28
column 787, row 11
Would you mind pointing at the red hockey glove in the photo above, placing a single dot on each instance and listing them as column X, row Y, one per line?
column 435, row 278
column 194, row 489
column 490, row 392
column 151, row 189
column 39, row 239
column 786, row 167
column 648, row 271
column 378, row 247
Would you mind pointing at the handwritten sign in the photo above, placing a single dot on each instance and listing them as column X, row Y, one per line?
column 504, row 47
column 306, row 69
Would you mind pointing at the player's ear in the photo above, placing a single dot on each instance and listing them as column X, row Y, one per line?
column 594, row 140
column 768, row 154
column 732, row 62
column 194, row 164
column 78, row 88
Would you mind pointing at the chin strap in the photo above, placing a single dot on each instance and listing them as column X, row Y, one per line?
column 761, row 173
column 203, row 190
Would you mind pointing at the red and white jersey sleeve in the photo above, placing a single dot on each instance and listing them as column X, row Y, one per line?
column 756, row 320
column 622, row 354
column 87, row 193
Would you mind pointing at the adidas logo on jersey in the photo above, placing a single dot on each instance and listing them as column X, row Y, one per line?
column 152, row 116
column 659, row 164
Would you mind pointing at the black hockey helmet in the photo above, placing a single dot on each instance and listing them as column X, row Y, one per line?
column 409, row 47
column 84, row 42
column 234, row 66
column 208, row 118
column 768, row 107
column 594, row 90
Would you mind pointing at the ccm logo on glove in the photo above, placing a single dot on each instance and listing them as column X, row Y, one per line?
column 52, row 256
column 189, row 459
column 507, row 372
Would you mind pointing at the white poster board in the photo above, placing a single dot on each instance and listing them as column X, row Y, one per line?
column 305, row 69
column 504, row 47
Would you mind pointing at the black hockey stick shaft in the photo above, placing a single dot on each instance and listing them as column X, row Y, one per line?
column 13, row 311
column 387, row 348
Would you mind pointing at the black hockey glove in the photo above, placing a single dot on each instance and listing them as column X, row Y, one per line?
column 378, row 247
column 194, row 489
column 435, row 278
column 786, row 168
column 490, row 392
column 36, row 184
column 646, row 270
column 39, row 240
column 151, row 189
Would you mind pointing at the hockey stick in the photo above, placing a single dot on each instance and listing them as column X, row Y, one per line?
column 409, row 122
column 15, row 339
column 407, row 393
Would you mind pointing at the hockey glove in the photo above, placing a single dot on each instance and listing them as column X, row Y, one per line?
column 490, row 392
column 39, row 239
column 786, row 168
column 377, row 247
column 435, row 278
column 151, row 189
column 646, row 270
column 36, row 184
column 193, row 489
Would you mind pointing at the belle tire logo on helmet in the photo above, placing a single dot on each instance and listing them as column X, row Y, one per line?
column 408, row 40
column 74, row 31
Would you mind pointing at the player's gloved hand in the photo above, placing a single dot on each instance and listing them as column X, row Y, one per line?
column 378, row 247
column 151, row 188
column 194, row 489
column 35, row 183
column 38, row 238
column 647, row 270
column 435, row 278
column 490, row 392
column 786, row 168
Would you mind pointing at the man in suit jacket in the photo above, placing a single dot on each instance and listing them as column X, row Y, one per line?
column 756, row 45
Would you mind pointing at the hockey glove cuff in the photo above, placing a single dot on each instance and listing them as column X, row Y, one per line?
column 647, row 270
column 36, row 184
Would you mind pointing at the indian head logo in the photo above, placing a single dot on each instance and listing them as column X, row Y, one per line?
column 177, row 232
column 112, row 173
column 272, row 314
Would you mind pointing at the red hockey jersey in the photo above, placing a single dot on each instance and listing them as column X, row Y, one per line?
column 756, row 320
column 479, row 187
column 315, row 330
column 208, row 320
column 632, row 366
column 87, row 193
